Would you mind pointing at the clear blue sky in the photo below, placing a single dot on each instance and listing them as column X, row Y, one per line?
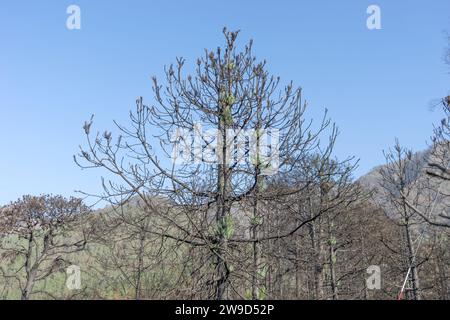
column 376, row 84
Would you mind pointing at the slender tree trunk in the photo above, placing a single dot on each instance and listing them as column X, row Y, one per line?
column 30, row 269
column 364, row 257
column 332, row 261
column 279, row 274
column 334, row 288
column 297, row 270
column 223, row 211
column 411, row 261
column 317, row 260
column 255, row 273
column 138, row 292
column 256, row 214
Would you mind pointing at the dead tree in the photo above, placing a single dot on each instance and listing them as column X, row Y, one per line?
column 39, row 233
column 206, row 176
column 401, row 185
column 328, row 193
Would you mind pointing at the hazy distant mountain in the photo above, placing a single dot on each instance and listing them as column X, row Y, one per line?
column 423, row 187
column 373, row 178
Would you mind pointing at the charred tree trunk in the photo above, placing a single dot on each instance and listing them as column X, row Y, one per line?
column 256, row 214
column 317, row 259
column 30, row 269
column 140, row 266
column 222, row 214
column 332, row 261
column 414, row 277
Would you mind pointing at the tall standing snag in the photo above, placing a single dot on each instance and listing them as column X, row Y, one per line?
column 219, row 181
